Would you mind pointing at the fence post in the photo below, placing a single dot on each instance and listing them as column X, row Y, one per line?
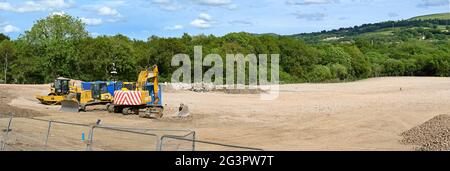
column 5, row 138
column 158, row 143
column 48, row 133
column 193, row 142
column 90, row 139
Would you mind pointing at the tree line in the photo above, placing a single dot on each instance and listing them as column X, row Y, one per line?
column 59, row 45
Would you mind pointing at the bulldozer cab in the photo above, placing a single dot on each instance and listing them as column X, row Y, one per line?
column 62, row 86
column 98, row 89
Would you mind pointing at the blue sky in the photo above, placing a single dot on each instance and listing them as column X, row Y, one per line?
column 171, row 18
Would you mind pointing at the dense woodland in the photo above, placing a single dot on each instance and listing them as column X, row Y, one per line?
column 59, row 45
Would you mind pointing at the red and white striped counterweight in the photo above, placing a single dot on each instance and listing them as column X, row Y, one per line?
column 127, row 98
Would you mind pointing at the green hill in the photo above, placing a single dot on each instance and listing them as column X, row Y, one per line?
column 435, row 26
column 441, row 16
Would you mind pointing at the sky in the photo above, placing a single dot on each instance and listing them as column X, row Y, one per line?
column 139, row 19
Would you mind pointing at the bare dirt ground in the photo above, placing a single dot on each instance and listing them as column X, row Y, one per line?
column 364, row 115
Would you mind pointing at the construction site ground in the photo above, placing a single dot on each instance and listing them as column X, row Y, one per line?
column 364, row 115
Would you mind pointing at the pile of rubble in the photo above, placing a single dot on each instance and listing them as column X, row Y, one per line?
column 433, row 135
column 208, row 87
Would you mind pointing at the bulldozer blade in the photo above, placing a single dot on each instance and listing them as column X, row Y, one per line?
column 70, row 106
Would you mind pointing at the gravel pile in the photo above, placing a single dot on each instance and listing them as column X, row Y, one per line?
column 433, row 135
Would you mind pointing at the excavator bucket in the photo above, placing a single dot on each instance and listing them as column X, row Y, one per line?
column 70, row 106
column 183, row 111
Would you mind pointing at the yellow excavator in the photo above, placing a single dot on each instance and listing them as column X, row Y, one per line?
column 59, row 90
column 147, row 95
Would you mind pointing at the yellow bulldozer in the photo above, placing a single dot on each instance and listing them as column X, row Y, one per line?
column 92, row 93
column 59, row 90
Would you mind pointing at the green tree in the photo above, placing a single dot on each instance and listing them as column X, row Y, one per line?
column 336, row 55
column 438, row 66
column 339, row 71
column 319, row 73
column 53, row 40
column 98, row 55
column 3, row 37
column 394, row 67
column 7, row 56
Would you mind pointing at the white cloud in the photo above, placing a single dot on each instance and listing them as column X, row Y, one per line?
column 241, row 22
column 393, row 14
column 107, row 11
column 168, row 5
column 9, row 29
column 5, row 6
column 232, row 7
column 33, row 6
column 29, row 6
column 217, row 3
column 175, row 5
column 311, row 2
column 161, row 1
column 59, row 13
column 92, row 21
column 214, row 2
column 310, row 16
column 116, row 3
column 433, row 3
column 172, row 7
column 202, row 24
column 203, row 21
column 175, row 27
column 205, row 17
column 57, row 4
column 114, row 20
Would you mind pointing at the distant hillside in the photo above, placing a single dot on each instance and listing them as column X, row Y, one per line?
column 433, row 26
column 267, row 34
column 441, row 16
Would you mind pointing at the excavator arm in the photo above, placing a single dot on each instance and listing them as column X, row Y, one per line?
column 143, row 78
column 155, row 83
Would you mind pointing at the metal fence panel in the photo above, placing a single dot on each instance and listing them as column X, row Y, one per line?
column 5, row 124
column 199, row 145
column 26, row 135
column 116, row 139
column 39, row 134
column 171, row 144
column 66, row 137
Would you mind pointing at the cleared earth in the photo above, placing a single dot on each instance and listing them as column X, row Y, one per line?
column 364, row 115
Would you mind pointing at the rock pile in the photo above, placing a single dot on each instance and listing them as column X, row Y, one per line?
column 433, row 135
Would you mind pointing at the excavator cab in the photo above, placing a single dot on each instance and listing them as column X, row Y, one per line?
column 61, row 86
column 130, row 86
